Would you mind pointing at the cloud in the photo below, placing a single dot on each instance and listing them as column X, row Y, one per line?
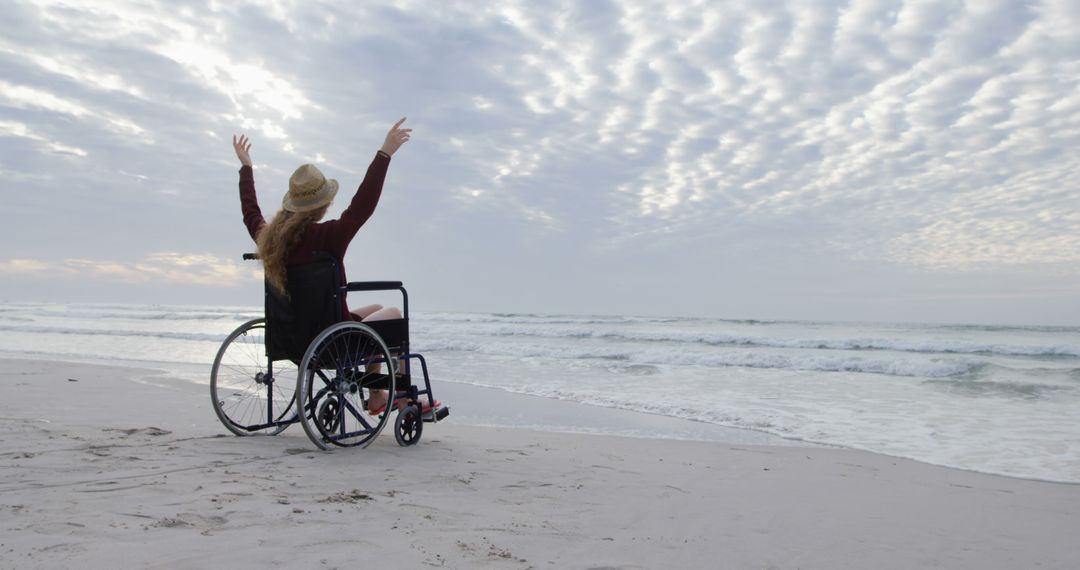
column 24, row 266
column 164, row 268
column 16, row 129
column 971, row 244
column 74, row 66
column 878, row 118
column 21, row 96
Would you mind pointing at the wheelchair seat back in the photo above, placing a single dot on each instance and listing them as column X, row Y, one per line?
column 314, row 303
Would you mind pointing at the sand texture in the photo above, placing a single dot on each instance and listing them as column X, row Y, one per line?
column 108, row 467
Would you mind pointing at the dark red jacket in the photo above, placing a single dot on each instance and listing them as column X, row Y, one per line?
column 331, row 236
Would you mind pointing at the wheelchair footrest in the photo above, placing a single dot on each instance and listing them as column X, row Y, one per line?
column 439, row 414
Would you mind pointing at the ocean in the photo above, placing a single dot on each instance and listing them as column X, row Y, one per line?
column 995, row 399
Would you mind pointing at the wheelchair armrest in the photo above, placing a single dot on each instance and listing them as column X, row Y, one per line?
column 373, row 285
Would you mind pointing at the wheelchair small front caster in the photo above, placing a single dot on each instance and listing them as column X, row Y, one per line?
column 408, row 426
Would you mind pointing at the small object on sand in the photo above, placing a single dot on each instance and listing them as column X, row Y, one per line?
column 73, row 380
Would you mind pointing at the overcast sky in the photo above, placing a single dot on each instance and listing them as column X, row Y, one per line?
column 855, row 160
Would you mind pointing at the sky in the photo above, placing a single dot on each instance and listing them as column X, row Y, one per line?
column 867, row 160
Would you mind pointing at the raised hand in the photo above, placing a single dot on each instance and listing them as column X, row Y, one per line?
column 395, row 138
column 242, row 148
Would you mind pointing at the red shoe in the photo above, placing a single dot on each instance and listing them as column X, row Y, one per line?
column 425, row 407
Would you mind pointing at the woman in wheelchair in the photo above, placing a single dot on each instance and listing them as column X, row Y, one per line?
column 295, row 233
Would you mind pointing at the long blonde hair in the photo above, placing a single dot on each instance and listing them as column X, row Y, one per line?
column 278, row 238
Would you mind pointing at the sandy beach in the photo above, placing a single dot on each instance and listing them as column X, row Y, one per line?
column 110, row 467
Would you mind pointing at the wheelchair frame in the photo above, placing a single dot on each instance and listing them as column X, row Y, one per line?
column 338, row 365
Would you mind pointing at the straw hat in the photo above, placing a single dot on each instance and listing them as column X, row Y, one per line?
column 308, row 190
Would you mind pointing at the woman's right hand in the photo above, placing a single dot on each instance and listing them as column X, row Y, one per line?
column 395, row 138
column 242, row 148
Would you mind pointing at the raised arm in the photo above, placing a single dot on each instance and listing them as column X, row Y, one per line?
column 249, row 203
column 367, row 195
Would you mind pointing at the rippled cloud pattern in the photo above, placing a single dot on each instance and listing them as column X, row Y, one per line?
column 934, row 137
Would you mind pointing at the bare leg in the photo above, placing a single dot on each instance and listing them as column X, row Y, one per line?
column 365, row 311
column 379, row 397
column 383, row 314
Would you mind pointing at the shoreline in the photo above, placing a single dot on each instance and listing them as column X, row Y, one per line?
column 484, row 406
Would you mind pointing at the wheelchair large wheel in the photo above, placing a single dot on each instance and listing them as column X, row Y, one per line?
column 249, row 397
column 341, row 368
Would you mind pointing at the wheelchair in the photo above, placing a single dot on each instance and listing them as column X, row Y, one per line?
column 336, row 362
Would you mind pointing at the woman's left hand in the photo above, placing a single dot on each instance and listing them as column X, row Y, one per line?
column 242, row 148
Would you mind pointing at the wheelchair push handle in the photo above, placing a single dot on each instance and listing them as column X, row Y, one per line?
column 356, row 285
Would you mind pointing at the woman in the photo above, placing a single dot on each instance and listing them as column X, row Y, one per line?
column 295, row 232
